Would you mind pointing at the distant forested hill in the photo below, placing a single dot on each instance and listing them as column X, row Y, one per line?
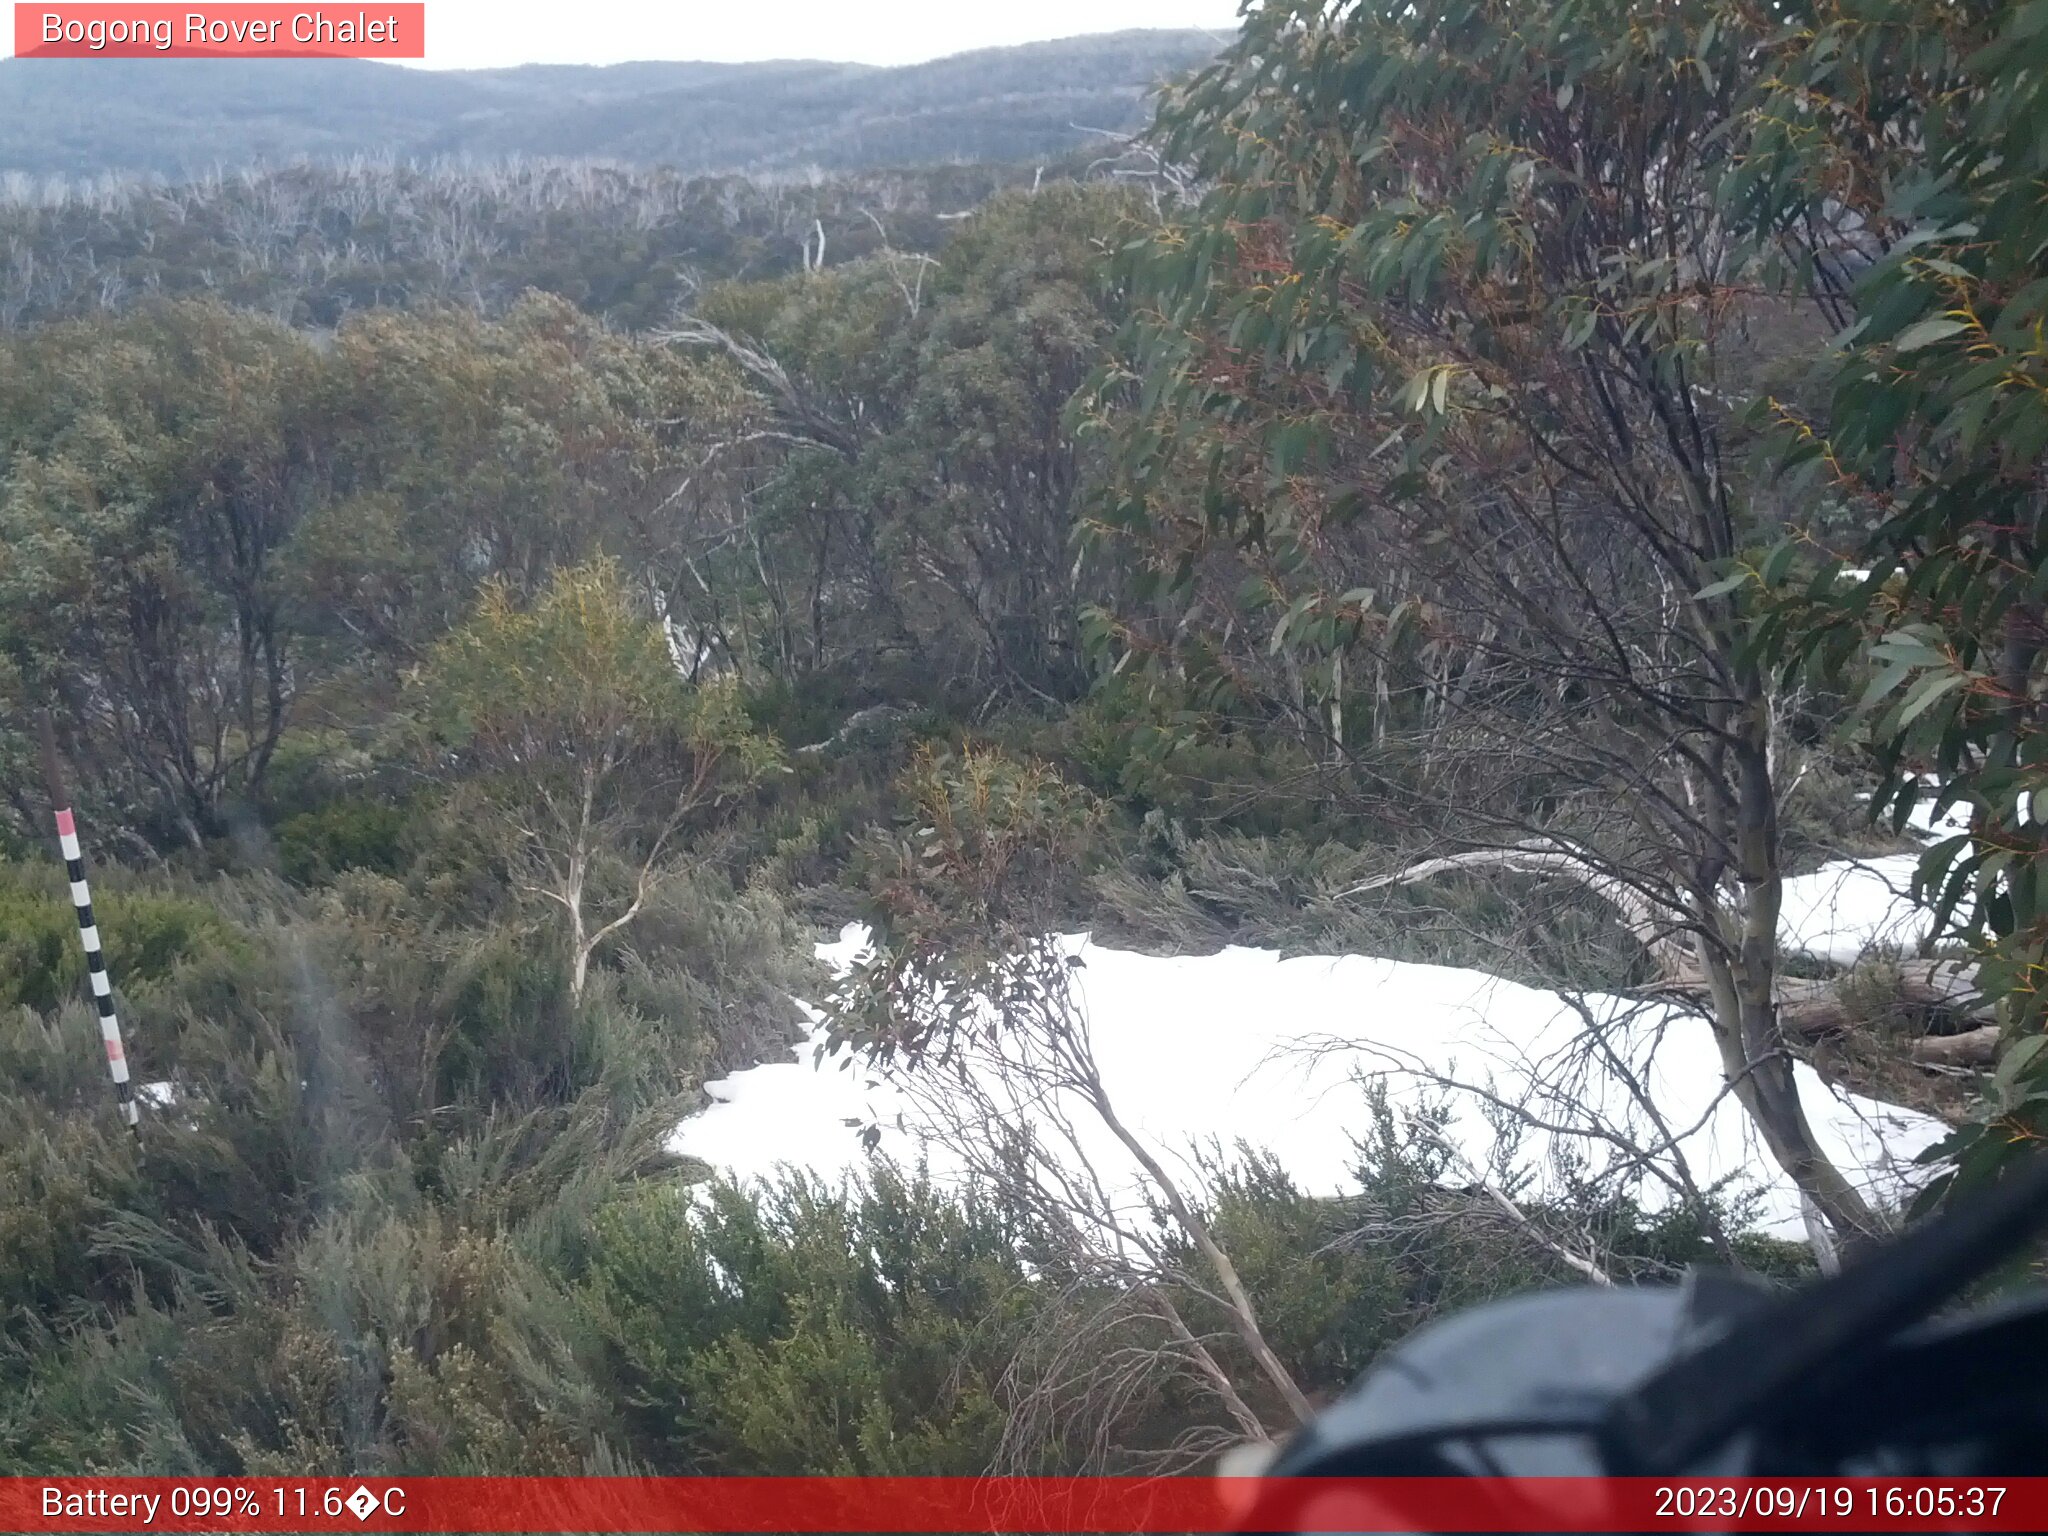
column 79, row 117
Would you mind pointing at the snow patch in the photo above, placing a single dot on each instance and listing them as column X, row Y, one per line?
column 1855, row 906
column 1246, row 1047
column 1847, row 909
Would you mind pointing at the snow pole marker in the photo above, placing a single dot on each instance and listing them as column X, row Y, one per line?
column 88, row 930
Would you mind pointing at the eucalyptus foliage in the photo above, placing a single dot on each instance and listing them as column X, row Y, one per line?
column 1927, row 124
column 1428, row 452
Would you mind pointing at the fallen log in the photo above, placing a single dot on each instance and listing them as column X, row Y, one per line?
column 1975, row 1049
column 1943, row 991
column 1961, row 1024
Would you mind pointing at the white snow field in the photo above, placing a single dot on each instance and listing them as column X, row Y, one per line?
column 1845, row 909
column 1853, row 906
column 1244, row 1046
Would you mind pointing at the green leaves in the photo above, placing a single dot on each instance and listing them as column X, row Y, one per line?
column 1926, row 333
column 1723, row 587
column 1939, row 444
column 1926, row 693
column 2014, row 1065
column 1902, row 654
column 575, row 672
column 1300, row 606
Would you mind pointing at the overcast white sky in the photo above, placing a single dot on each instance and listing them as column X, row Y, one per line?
column 473, row 34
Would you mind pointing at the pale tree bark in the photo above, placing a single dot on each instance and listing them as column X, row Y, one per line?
column 1242, row 1312
column 1729, row 967
column 1584, row 1263
column 1741, row 972
column 560, row 857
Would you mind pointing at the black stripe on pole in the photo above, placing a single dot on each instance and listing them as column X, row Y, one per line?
column 88, row 931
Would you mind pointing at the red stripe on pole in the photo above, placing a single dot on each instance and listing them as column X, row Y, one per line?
column 67, row 826
column 1020, row 1505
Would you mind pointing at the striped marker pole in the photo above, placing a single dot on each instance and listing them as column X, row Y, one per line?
column 88, row 930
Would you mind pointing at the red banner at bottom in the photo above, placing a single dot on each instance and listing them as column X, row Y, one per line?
column 911, row 1506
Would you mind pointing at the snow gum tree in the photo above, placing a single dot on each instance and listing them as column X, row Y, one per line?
column 1428, row 455
column 144, row 525
column 591, row 751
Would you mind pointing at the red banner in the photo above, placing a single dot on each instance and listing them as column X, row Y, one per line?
column 1139, row 1506
column 375, row 31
